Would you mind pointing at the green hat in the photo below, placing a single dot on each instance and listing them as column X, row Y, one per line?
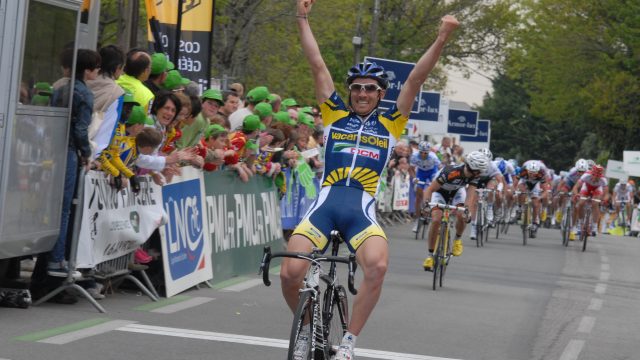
column 272, row 98
column 213, row 94
column 263, row 110
column 138, row 116
column 258, row 94
column 40, row 100
column 43, row 88
column 304, row 118
column 283, row 117
column 159, row 63
column 214, row 129
column 307, row 110
column 174, row 80
column 251, row 144
column 170, row 66
column 252, row 123
column 289, row 102
column 128, row 97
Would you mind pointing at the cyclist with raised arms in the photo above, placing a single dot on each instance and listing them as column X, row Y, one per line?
column 533, row 177
column 449, row 188
column 358, row 142
column 593, row 184
column 426, row 163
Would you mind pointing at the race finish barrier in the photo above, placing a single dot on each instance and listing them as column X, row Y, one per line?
column 242, row 219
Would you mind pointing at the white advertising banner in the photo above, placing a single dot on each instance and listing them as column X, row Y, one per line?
column 615, row 170
column 115, row 223
column 401, row 186
column 631, row 160
column 186, row 246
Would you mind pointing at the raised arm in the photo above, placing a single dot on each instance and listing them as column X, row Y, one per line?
column 423, row 67
column 321, row 76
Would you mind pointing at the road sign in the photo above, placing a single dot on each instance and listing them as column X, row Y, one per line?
column 462, row 122
column 398, row 72
column 483, row 133
column 631, row 160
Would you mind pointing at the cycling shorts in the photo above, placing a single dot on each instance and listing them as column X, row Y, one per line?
column 534, row 188
column 589, row 190
column 450, row 197
column 349, row 210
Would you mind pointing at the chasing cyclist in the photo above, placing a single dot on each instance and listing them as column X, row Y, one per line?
column 426, row 163
column 350, row 180
column 534, row 177
column 490, row 179
column 591, row 184
column 449, row 188
column 623, row 193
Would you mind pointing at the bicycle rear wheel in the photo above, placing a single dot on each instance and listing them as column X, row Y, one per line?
column 304, row 311
column 336, row 318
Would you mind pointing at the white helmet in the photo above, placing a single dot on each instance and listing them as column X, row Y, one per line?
column 582, row 165
column 533, row 167
column 591, row 163
column 424, row 146
column 487, row 153
column 477, row 161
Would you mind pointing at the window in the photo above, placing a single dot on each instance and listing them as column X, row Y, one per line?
column 48, row 55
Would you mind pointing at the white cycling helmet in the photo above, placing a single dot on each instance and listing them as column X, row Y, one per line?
column 487, row 153
column 477, row 161
column 582, row 165
column 591, row 163
column 533, row 167
column 424, row 146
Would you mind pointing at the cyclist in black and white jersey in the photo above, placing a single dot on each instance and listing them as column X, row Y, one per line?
column 490, row 179
column 449, row 187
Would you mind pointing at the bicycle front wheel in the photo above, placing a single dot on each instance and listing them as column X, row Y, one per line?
column 566, row 227
column 586, row 230
column 525, row 225
column 336, row 320
column 304, row 313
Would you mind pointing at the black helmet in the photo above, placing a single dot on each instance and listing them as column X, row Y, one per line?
column 369, row 70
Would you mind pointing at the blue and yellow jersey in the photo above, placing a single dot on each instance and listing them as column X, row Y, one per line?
column 120, row 155
column 357, row 149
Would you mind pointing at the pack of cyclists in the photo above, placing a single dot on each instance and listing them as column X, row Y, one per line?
column 511, row 185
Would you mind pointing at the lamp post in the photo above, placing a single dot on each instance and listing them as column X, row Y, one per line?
column 357, row 45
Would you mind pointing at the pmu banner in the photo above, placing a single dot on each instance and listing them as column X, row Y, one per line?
column 483, row 133
column 195, row 25
column 186, row 249
column 462, row 122
column 398, row 72
column 116, row 222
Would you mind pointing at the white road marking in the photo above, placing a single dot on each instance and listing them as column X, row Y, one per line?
column 601, row 288
column 243, row 285
column 604, row 276
column 596, row 304
column 86, row 332
column 605, row 267
column 586, row 324
column 173, row 308
column 260, row 341
column 604, row 259
column 573, row 349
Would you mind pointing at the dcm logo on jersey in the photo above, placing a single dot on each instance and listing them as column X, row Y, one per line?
column 184, row 234
column 375, row 144
column 366, row 151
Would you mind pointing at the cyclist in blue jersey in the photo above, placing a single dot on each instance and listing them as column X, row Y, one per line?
column 358, row 142
column 426, row 163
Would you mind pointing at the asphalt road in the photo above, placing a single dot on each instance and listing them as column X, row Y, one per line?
column 503, row 301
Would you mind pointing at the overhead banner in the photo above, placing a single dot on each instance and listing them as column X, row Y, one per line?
column 615, row 170
column 115, row 223
column 483, row 133
column 186, row 249
column 462, row 122
column 631, row 160
column 398, row 72
column 196, row 26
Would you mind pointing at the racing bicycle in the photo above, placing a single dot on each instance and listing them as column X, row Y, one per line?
column 585, row 229
column 323, row 306
column 443, row 247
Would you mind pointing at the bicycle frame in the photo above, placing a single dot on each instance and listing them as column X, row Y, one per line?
column 316, row 275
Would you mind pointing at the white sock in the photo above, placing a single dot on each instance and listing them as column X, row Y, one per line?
column 349, row 339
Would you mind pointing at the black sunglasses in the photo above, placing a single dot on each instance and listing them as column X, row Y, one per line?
column 366, row 87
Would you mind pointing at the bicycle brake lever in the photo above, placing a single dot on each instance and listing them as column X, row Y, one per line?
column 352, row 270
column 264, row 265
